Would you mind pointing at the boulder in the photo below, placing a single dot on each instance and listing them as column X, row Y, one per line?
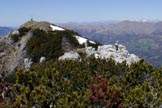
column 120, row 55
column 16, row 32
column 42, row 59
column 90, row 51
column 132, row 58
column 72, row 55
column 27, row 63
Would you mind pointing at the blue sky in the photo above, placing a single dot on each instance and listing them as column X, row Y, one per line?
column 15, row 12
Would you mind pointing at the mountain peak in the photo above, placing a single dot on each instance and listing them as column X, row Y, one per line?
column 34, row 40
column 43, row 25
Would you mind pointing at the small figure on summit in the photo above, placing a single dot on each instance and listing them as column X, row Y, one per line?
column 117, row 45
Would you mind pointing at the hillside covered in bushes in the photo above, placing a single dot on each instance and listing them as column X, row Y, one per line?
column 46, row 66
column 90, row 83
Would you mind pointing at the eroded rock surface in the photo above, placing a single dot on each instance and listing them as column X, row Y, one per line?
column 109, row 51
column 72, row 55
column 12, row 54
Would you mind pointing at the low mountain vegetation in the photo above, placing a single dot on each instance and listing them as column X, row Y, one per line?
column 48, row 44
column 92, row 83
column 92, row 80
column 44, row 44
column 20, row 32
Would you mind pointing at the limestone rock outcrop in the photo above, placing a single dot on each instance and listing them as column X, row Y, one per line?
column 72, row 55
column 109, row 51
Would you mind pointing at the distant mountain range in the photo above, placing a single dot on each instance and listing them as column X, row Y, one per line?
column 5, row 30
column 142, row 38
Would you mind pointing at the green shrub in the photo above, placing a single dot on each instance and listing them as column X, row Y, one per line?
column 70, row 36
column 22, row 32
column 15, row 37
column 44, row 44
column 79, row 84
column 11, row 78
column 72, row 84
column 143, row 96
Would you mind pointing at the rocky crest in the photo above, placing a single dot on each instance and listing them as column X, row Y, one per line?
column 104, row 52
column 13, row 49
column 13, row 53
column 37, row 25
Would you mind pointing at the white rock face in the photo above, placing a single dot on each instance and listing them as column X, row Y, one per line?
column 42, row 59
column 90, row 51
column 27, row 63
column 70, row 56
column 56, row 28
column 105, row 52
column 132, row 58
column 16, row 32
column 12, row 55
column 110, row 51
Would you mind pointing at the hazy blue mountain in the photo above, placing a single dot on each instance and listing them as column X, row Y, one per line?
column 5, row 30
column 141, row 37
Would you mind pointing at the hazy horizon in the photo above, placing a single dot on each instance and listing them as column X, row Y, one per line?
column 16, row 12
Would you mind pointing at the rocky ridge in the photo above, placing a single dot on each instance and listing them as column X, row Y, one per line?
column 104, row 52
column 14, row 54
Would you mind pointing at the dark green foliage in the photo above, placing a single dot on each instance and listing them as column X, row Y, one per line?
column 47, row 44
column 93, row 45
column 90, row 83
column 71, row 38
column 15, row 37
column 22, row 32
column 139, row 72
column 11, row 78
